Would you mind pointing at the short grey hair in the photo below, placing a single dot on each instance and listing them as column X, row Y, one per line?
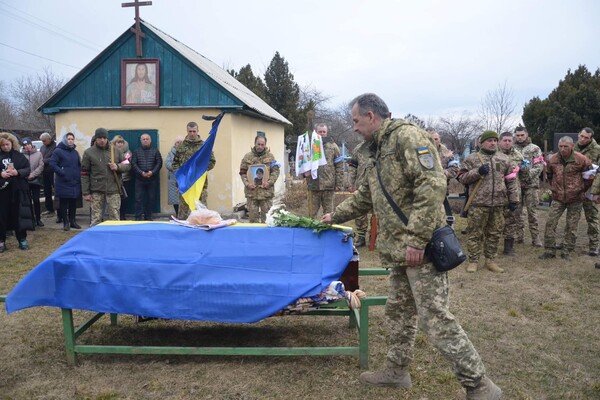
column 45, row 135
column 566, row 139
column 320, row 124
column 371, row 102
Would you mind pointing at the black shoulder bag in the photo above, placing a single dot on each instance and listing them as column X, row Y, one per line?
column 443, row 250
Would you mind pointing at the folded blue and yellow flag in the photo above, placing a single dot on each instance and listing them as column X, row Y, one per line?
column 192, row 174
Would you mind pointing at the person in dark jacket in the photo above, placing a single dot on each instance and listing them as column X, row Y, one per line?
column 15, row 203
column 48, row 175
column 146, row 162
column 66, row 164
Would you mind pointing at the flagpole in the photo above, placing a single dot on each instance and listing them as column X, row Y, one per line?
column 310, row 115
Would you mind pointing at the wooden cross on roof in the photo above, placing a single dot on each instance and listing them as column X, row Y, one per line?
column 137, row 30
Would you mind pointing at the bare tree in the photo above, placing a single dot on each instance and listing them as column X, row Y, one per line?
column 8, row 112
column 458, row 130
column 32, row 91
column 497, row 108
column 415, row 120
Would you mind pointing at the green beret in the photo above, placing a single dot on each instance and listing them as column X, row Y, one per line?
column 488, row 135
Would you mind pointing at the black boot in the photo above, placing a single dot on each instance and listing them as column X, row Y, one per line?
column 59, row 219
column 74, row 224
column 508, row 247
column 360, row 241
column 66, row 226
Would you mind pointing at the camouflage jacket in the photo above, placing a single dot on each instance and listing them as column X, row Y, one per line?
column 186, row 150
column 269, row 161
column 568, row 185
column 96, row 176
column 449, row 165
column 357, row 166
column 591, row 151
column 330, row 176
column 516, row 161
column 533, row 153
column 494, row 190
column 412, row 174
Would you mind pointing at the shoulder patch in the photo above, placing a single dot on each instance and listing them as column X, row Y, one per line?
column 425, row 157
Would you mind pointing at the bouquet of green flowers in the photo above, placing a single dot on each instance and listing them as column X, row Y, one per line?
column 279, row 216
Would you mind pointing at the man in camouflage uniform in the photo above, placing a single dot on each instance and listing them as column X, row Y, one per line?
column 259, row 198
column 530, row 184
column 357, row 168
column 564, row 170
column 488, row 199
column 410, row 171
column 449, row 165
column 329, row 176
column 511, row 222
column 586, row 145
column 190, row 145
column 98, row 182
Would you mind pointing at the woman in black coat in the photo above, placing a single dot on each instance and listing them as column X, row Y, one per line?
column 15, row 203
column 66, row 164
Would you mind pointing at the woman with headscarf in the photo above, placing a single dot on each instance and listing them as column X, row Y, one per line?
column 172, row 186
column 66, row 164
column 36, row 164
column 123, row 146
column 15, row 203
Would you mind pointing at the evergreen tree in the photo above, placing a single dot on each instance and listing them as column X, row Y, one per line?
column 283, row 94
column 247, row 78
column 573, row 105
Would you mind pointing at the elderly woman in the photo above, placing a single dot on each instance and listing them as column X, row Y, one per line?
column 123, row 146
column 15, row 204
column 173, row 190
column 34, row 180
column 66, row 164
column 259, row 193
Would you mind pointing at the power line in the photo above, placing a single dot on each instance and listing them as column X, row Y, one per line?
column 20, row 65
column 66, row 35
column 35, row 55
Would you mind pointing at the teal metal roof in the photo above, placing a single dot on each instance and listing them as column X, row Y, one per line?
column 187, row 80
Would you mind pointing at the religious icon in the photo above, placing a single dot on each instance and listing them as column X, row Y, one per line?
column 139, row 82
column 258, row 173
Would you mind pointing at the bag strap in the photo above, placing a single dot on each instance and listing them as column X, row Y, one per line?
column 398, row 211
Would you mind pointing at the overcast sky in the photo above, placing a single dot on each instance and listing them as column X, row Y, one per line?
column 428, row 58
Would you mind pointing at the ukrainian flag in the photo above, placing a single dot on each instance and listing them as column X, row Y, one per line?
column 192, row 174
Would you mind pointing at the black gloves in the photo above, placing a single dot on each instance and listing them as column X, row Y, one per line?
column 484, row 169
column 512, row 206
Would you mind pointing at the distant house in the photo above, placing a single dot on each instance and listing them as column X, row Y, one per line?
column 177, row 85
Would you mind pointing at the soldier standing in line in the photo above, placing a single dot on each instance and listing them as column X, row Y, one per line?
column 586, row 145
column 564, row 170
column 191, row 144
column 530, row 184
column 259, row 196
column 486, row 215
column 409, row 169
column 329, row 176
column 511, row 223
column 99, row 185
column 449, row 164
column 357, row 169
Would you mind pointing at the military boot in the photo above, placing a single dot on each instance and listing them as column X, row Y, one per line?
column 492, row 266
column 536, row 241
column 394, row 377
column 360, row 241
column 486, row 390
column 508, row 248
column 472, row 267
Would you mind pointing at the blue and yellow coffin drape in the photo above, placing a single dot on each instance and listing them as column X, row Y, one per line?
column 232, row 274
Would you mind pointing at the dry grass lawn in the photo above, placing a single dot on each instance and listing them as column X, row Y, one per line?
column 537, row 327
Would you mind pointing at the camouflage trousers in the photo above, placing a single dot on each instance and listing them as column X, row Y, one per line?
column 591, row 216
column 556, row 211
column 184, row 210
column 484, row 228
column 362, row 225
column 322, row 198
column 258, row 209
column 113, row 206
column 529, row 202
column 420, row 294
column 511, row 224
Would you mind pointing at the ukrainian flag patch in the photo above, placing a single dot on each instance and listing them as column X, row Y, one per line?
column 425, row 157
column 422, row 150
